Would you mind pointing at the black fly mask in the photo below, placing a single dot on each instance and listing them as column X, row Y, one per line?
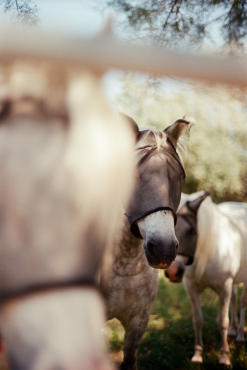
column 186, row 228
column 157, row 190
column 187, row 234
column 159, row 182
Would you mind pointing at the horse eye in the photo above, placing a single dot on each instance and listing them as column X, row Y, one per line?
column 191, row 231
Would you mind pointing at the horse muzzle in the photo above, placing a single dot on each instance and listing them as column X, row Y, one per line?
column 160, row 253
column 175, row 272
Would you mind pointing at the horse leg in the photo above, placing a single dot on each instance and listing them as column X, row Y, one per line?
column 134, row 330
column 223, row 319
column 243, row 304
column 232, row 332
column 195, row 299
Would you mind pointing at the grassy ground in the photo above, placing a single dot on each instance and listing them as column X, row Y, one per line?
column 168, row 342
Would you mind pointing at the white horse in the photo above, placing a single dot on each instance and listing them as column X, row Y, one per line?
column 65, row 165
column 216, row 236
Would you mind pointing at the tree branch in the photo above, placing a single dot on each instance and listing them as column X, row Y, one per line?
column 160, row 10
column 170, row 12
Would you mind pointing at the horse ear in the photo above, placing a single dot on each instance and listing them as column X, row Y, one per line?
column 180, row 127
column 195, row 204
column 132, row 124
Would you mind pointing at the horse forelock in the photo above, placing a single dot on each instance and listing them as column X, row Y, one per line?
column 207, row 229
column 158, row 137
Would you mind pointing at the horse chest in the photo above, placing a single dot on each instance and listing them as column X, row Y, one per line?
column 129, row 294
column 215, row 274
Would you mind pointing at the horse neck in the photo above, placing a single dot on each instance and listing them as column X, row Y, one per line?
column 219, row 239
column 207, row 230
column 129, row 245
column 124, row 255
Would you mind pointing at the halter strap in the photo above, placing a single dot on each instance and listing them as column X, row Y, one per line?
column 7, row 105
column 37, row 288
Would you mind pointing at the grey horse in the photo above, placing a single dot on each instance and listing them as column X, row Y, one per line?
column 145, row 239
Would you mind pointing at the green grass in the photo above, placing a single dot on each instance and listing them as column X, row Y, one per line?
column 168, row 342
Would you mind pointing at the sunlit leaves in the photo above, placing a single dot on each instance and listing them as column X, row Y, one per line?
column 217, row 150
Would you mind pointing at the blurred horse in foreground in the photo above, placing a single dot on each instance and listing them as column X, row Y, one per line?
column 215, row 236
column 145, row 236
column 65, row 166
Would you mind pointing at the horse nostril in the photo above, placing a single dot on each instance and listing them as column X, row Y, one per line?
column 166, row 274
column 177, row 246
column 180, row 273
column 151, row 250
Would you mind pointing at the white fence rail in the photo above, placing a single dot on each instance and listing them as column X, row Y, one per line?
column 104, row 52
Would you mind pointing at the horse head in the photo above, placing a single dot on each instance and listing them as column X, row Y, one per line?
column 157, row 190
column 58, row 139
column 186, row 232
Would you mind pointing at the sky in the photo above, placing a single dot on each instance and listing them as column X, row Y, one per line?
column 79, row 18
column 75, row 17
column 85, row 18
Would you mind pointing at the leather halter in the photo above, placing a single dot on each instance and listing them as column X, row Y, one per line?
column 44, row 287
column 133, row 224
column 134, row 227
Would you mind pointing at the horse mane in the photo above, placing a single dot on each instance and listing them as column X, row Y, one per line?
column 207, row 229
column 160, row 139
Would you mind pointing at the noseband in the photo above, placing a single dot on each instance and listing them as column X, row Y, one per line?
column 133, row 223
column 134, row 227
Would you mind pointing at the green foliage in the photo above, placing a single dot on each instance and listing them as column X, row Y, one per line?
column 217, row 151
column 168, row 342
column 186, row 20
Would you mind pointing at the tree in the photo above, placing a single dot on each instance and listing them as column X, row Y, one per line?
column 186, row 20
column 216, row 152
column 23, row 12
